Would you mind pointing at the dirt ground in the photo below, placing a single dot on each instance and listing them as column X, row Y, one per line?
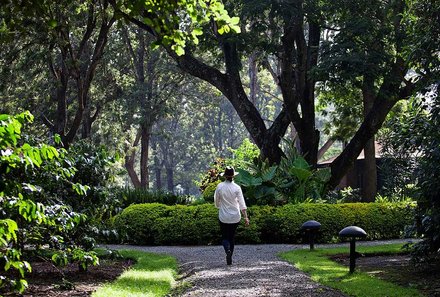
column 49, row 281
column 400, row 270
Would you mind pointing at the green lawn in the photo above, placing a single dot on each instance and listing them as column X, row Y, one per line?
column 327, row 272
column 152, row 275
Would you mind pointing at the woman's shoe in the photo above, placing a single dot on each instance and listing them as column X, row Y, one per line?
column 228, row 257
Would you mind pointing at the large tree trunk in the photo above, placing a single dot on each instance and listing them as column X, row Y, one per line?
column 230, row 85
column 369, row 174
column 297, row 87
column 309, row 136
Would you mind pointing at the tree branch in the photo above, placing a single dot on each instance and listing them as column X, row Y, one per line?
column 91, row 23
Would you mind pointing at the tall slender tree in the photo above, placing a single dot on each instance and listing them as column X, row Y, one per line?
column 156, row 82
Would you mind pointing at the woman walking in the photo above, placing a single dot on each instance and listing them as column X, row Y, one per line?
column 228, row 198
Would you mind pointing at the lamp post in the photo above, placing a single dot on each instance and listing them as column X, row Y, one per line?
column 311, row 228
column 352, row 232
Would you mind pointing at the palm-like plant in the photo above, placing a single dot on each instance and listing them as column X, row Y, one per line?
column 292, row 181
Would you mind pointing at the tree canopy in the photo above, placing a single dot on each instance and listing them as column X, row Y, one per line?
column 370, row 47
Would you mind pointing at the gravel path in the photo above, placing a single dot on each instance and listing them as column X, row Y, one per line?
column 256, row 271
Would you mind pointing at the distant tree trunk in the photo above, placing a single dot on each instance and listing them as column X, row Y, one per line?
column 158, row 174
column 130, row 158
column 157, row 165
column 143, row 136
column 145, row 143
column 369, row 174
column 231, row 127
column 170, row 178
column 220, row 130
column 60, row 96
column 253, row 78
column 144, row 94
column 169, row 167
column 88, row 120
column 86, row 130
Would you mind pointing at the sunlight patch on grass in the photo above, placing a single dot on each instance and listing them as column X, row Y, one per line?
column 153, row 275
column 327, row 272
column 163, row 275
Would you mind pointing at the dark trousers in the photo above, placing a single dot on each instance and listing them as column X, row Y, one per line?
column 228, row 236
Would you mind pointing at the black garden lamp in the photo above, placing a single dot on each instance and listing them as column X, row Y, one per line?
column 352, row 232
column 311, row 228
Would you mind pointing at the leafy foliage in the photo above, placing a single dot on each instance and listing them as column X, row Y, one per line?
column 414, row 137
column 212, row 176
column 209, row 191
column 95, row 166
column 244, row 155
column 292, row 181
column 179, row 22
column 400, row 147
column 345, row 195
column 429, row 200
column 29, row 215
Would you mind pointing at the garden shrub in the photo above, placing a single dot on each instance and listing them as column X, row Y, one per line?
column 256, row 232
column 187, row 225
column 178, row 226
column 207, row 225
column 135, row 223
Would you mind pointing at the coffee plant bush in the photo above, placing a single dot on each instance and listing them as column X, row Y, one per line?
column 31, row 215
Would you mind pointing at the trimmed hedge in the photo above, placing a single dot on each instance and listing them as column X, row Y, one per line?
column 158, row 224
